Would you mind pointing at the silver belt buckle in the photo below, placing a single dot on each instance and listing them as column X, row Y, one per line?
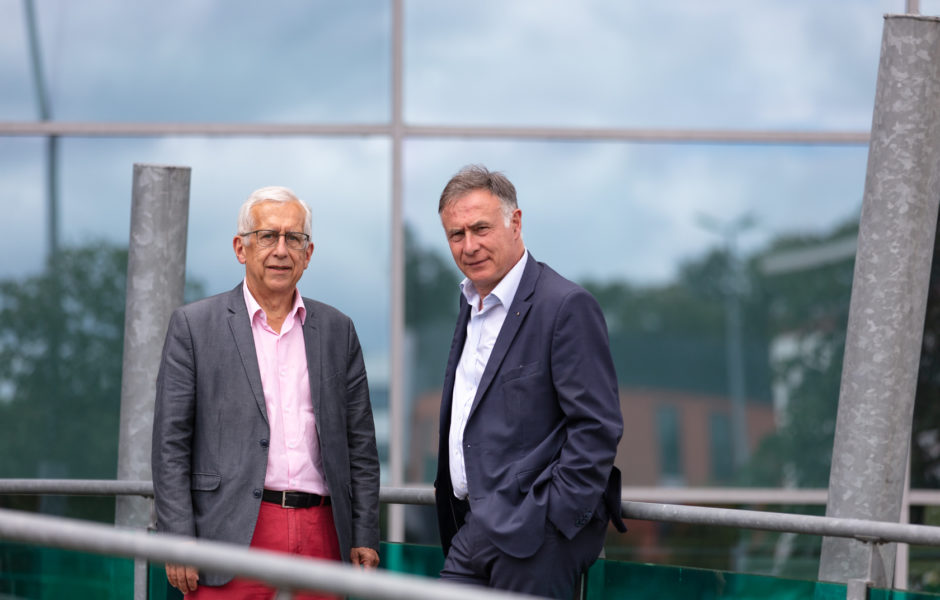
column 284, row 499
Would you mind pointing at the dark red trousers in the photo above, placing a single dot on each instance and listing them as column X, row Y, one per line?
column 303, row 531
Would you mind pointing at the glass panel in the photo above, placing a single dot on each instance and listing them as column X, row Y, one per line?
column 801, row 65
column 669, row 430
column 35, row 573
column 18, row 100
column 722, row 467
column 721, row 548
column 609, row 579
column 930, row 7
column 48, row 405
column 24, row 202
column 32, row 572
column 649, row 230
column 172, row 60
column 924, row 561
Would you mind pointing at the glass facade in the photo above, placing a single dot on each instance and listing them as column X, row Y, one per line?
column 724, row 268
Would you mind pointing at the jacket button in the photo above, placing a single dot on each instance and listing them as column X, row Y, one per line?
column 264, row 443
column 256, row 493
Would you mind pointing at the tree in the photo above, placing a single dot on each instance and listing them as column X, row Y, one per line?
column 61, row 337
column 61, row 345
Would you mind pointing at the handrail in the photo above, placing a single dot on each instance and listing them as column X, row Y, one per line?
column 859, row 529
column 281, row 570
column 77, row 487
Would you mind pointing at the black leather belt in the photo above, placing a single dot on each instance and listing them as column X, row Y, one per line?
column 295, row 499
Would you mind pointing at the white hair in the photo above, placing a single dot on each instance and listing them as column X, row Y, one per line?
column 272, row 193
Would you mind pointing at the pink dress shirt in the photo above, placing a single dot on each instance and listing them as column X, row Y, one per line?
column 294, row 461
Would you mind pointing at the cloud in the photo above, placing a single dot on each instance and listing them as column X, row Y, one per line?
column 279, row 61
column 631, row 211
column 644, row 64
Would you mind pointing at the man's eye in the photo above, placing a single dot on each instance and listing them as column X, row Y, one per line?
column 294, row 238
column 267, row 236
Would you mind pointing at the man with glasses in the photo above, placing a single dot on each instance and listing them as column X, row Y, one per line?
column 263, row 430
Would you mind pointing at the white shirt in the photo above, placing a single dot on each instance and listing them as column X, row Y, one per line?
column 482, row 330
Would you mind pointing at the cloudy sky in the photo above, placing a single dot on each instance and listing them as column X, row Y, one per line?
column 600, row 210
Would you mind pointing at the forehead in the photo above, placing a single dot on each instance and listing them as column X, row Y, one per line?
column 270, row 214
column 474, row 206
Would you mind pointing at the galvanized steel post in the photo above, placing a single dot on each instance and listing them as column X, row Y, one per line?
column 156, row 269
column 889, row 295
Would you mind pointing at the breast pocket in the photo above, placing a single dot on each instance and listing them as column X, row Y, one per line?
column 519, row 372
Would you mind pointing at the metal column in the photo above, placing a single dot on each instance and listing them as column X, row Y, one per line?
column 398, row 401
column 156, row 268
column 889, row 295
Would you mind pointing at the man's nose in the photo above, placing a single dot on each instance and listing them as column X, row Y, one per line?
column 470, row 244
column 281, row 246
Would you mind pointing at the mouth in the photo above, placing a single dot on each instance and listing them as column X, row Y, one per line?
column 279, row 268
column 474, row 264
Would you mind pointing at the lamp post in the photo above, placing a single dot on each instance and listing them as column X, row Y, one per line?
column 733, row 286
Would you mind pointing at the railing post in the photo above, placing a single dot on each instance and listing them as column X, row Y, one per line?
column 889, row 296
column 156, row 267
column 857, row 589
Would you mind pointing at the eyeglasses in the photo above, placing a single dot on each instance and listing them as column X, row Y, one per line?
column 267, row 238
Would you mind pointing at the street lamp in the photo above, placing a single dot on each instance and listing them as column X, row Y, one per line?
column 733, row 287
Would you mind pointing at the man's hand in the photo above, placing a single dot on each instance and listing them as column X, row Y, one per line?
column 364, row 557
column 184, row 578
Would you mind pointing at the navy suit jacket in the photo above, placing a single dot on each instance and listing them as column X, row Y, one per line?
column 540, row 441
column 210, row 429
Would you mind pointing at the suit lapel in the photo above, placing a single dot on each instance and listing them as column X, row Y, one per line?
column 456, row 349
column 312, row 346
column 240, row 325
column 514, row 317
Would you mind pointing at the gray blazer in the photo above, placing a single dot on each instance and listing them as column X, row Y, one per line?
column 210, row 432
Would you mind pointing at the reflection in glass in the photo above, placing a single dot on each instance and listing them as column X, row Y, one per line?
column 738, row 65
column 218, row 61
column 61, row 327
column 629, row 229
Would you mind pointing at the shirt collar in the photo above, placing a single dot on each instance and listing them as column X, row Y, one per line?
column 505, row 290
column 253, row 307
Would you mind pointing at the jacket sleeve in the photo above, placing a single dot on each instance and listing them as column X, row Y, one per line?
column 363, row 454
column 173, row 430
column 586, row 387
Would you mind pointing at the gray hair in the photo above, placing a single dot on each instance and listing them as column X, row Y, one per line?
column 477, row 177
column 272, row 193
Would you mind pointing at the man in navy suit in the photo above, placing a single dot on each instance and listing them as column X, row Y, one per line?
column 530, row 414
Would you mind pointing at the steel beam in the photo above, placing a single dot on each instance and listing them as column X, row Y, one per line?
column 889, row 297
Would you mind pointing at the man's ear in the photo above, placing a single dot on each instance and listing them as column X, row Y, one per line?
column 238, row 244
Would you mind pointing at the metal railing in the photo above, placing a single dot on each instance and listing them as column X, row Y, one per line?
column 300, row 573
column 287, row 573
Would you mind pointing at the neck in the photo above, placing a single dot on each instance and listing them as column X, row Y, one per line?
column 275, row 306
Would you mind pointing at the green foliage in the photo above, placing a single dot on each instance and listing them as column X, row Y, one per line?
column 807, row 310
column 61, row 337
column 61, row 352
column 431, row 302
